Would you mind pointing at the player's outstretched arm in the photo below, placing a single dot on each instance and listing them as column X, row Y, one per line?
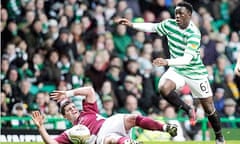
column 82, row 91
column 145, row 27
column 38, row 119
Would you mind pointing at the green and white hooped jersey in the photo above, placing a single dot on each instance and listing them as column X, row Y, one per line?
column 184, row 41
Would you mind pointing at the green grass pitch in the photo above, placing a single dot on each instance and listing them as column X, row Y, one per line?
column 185, row 142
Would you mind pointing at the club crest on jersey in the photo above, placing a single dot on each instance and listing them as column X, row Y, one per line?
column 194, row 46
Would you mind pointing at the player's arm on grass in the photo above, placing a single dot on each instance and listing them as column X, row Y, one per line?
column 82, row 91
column 38, row 119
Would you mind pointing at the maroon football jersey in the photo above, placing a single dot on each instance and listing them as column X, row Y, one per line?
column 90, row 118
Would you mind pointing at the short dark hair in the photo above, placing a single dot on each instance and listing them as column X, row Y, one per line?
column 187, row 5
column 63, row 105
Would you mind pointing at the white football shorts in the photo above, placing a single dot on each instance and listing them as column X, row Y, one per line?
column 199, row 88
column 113, row 126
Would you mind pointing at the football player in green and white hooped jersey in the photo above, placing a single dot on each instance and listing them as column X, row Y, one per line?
column 181, row 42
column 185, row 64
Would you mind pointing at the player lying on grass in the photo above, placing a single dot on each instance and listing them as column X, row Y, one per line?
column 113, row 130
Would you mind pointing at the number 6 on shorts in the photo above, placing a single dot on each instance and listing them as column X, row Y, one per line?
column 199, row 88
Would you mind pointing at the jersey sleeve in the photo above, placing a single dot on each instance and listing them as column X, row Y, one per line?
column 90, row 106
column 63, row 138
column 161, row 28
column 193, row 44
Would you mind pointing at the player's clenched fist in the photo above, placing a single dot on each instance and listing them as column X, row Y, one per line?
column 160, row 62
column 123, row 21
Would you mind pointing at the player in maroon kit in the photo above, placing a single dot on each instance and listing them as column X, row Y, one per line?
column 112, row 130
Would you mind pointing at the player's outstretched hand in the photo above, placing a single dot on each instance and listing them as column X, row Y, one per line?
column 160, row 62
column 37, row 118
column 123, row 21
column 58, row 95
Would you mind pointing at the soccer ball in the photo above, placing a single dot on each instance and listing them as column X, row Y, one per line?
column 78, row 134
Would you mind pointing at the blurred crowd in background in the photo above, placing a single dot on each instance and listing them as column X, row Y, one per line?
column 65, row 44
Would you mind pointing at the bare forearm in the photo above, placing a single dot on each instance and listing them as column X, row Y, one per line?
column 83, row 91
column 45, row 136
column 145, row 27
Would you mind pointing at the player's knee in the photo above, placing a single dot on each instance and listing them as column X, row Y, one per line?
column 208, row 105
column 166, row 88
column 110, row 140
column 209, row 110
column 164, row 91
column 130, row 120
